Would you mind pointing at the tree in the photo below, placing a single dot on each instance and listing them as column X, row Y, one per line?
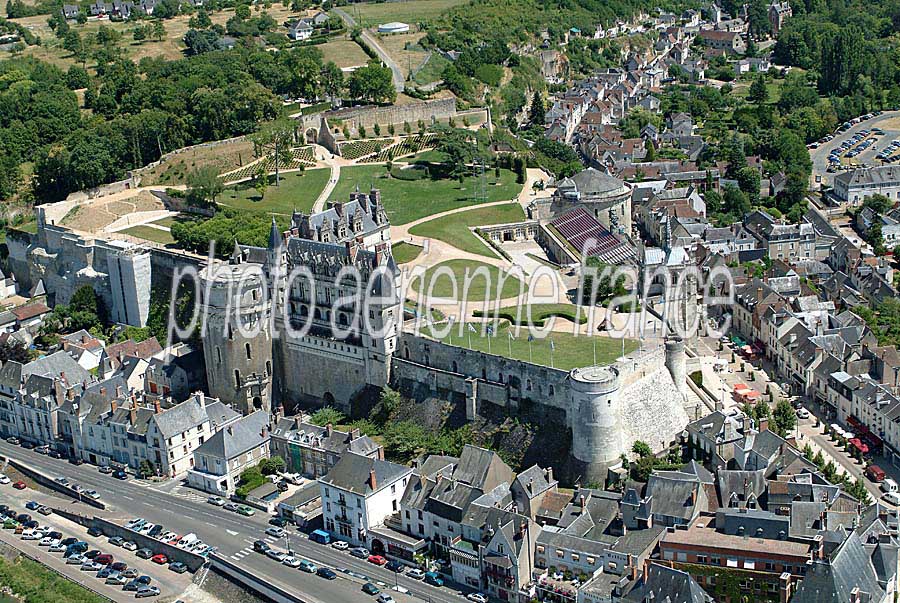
column 843, row 60
column 15, row 351
column 784, row 418
column 204, row 185
column 373, row 83
column 388, row 402
column 326, row 415
column 261, row 179
column 641, row 448
column 459, row 150
column 879, row 203
column 159, row 30
column 332, row 80
column 275, row 137
column 538, row 112
column 858, row 491
column 749, row 182
column 761, row 411
column 759, row 92
column 201, row 20
column 147, row 468
column 271, row 465
column 140, row 33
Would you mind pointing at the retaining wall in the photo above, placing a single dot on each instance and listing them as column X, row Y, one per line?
column 255, row 583
column 192, row 561
column 49, row 482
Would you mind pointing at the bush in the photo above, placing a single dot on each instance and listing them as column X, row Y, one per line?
column 326, row 415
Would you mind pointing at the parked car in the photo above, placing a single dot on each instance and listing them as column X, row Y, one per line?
column 91, row 566
column 340, row 545
column 19, row 485
column 57, row 548
column 377, row 560
column 13, row 440
column 45, row 510
column 802, row 413
column 231, row 506
column 130, row 546
column 216, row 500
column 75, row 560
column 291, row 561
column 278, row 522
column 155, row 531
column 326, row 573
column 178, row 567
column 159, row 559
column 875, row 473
column 370, row 589
column 95, row 531
column 132, row 586
column 106, row 572
column 32, row 505
column 477, row 598
column 276, row 555
column 47, row 541
column 415, row 574
column 360, row 552
column 275, row 532
column 76, row 461
column 892, row 497
column 104, row 558
column 116, row 541
column 93, row 494
column 144, row 553
column 146, row 591
column 245, row 511
column 120, row 475
column 93, row 554
column 106, row 470
column 433, row 579
column 261, row 546
column 116, row 579
column 395, row 566
column 385, row 598
column 308, row 566
column 42, row 449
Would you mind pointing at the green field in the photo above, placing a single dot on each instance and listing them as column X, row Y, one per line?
column 298, row 190
column 405, row 252
column 411, row 12
column 479, row 288
column 37, row 583
column 150, row 234
column 570, row 351
column 432, row 70
column 409, row 200
column 454, row 229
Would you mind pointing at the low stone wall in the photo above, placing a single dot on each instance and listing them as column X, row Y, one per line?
column 255, row 583
column 136, row 175
column 369, row 115
column 49, row 482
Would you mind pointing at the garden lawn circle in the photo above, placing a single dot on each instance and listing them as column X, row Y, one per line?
column 297, row 190
column 441, row 283
column 405, row 252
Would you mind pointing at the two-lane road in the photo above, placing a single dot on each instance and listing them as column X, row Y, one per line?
column 231, row 533
column 396, row 73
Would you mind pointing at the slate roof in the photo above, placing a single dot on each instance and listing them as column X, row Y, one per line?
column 481, row 468
column 181, row 417
column 593, row 182
column 30, row 311
column 351, row 473
column 668, row 584
column 833, row 579
column 245, row 434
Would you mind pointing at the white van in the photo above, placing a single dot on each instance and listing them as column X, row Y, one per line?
column 892, row 498
column 889, row 485
column 187, row 540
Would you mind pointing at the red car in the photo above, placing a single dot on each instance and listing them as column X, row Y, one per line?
column 20, row 485
column 159, row 559
column 377, row 559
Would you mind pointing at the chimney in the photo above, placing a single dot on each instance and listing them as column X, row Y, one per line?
column 328, row 429
column 118, row 391
column 262, row 432
column 381, row 453
column 581, row 500
column 763, row 422
column 102, row 391
column 373, row 483
column 784, row 587
column 230, row 430
column 113, row 406
column 62, row 376
column 70, row 394
column 156, row 406
column 133, row 414
column 354, row 433
column 634, row 571
column 759, row 294
column 531, row 485
column 549, row 475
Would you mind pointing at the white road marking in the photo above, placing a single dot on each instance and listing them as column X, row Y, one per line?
column 231, row 532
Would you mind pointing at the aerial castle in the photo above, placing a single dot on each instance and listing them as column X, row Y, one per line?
column 334, row 359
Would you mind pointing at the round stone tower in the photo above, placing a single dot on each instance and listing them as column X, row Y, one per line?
column 238, row 366
column 597, row 442
column 676, row 362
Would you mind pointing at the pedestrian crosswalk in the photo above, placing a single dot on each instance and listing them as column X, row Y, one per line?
column 242, row 553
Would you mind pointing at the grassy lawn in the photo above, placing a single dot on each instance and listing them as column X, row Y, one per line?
column 34, row 582
column 344, row 53
column 150, row 234
column 454, row 229
column 404, row 49
column 570, row 351
column 405, row 252
column 298, row 190
column 539, row 313
column 432, row 70
column 479, row 287
column 410, row 12
column 409, row 200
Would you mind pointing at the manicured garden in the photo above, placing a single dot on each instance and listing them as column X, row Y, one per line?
column 568, row 351
column 454, row 228
column 409, row 200
column 479, row 288
column 36, row 583
column 297, row 190
column 405, row 252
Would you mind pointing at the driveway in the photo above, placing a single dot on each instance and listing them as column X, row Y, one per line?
column 374, row 45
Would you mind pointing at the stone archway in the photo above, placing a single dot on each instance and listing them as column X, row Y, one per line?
column 378, row 547
column 312, row 136
column 329, row 399
column 257, row 403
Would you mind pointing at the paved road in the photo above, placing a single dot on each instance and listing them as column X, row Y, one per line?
column 819, row 156
column 233, row 534
column 374, row 45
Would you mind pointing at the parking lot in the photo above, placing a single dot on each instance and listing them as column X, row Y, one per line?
column 861, row 144
column 170, row 584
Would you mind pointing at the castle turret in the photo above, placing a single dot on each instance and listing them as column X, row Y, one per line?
column 238, row 364
column 676, row 362
column 597, row 442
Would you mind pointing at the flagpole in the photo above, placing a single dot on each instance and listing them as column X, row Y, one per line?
column 594, row 340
